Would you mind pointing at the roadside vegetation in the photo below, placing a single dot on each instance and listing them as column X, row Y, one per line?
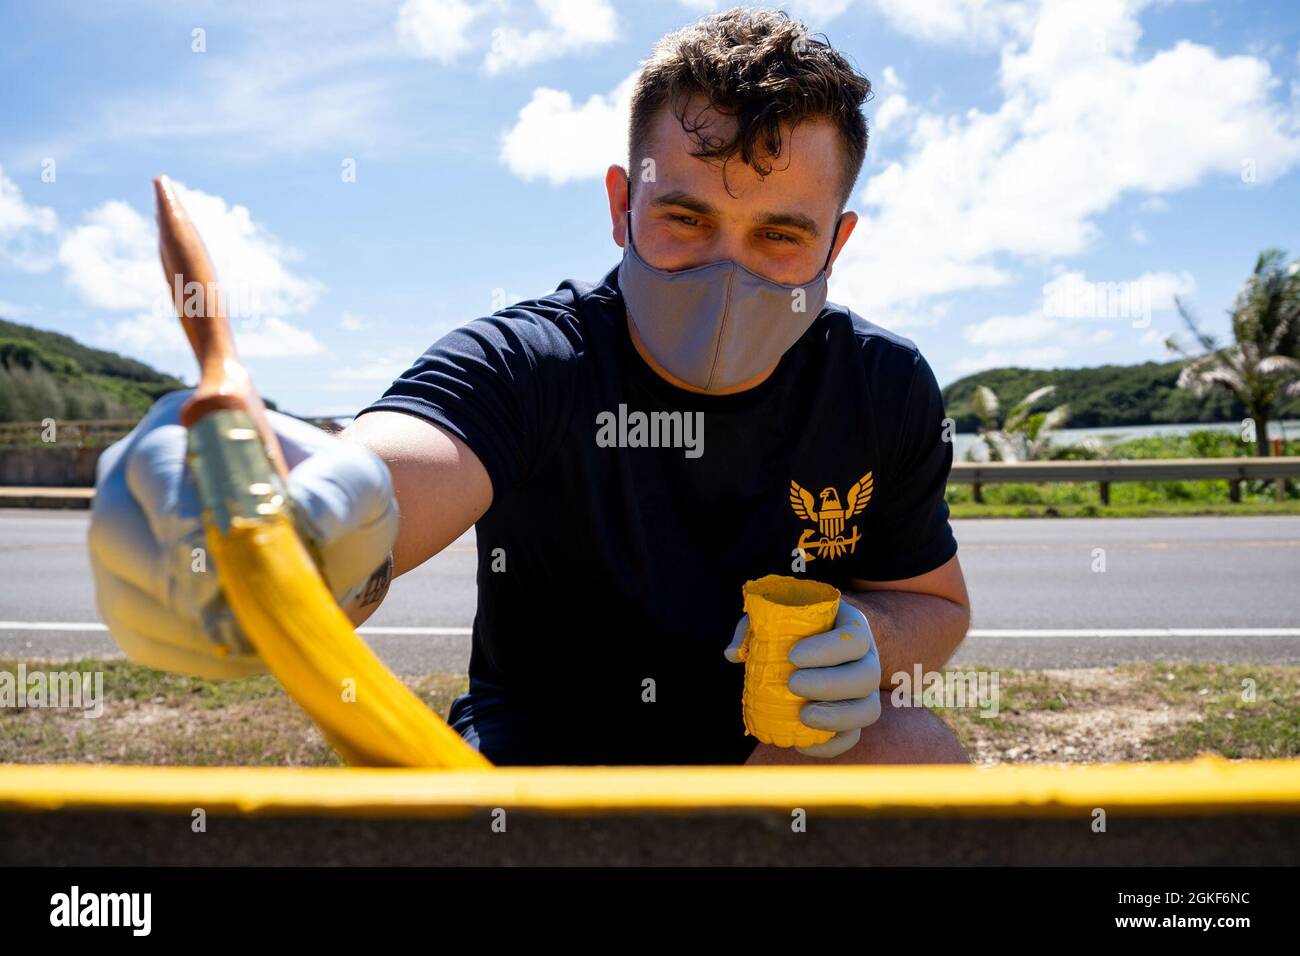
column 1101, row 715
column 1131, row 499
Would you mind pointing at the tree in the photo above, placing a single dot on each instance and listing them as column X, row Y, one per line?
column 1262, row 365
column 1025, row 434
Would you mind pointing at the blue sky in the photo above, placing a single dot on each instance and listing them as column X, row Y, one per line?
column 1042, row 177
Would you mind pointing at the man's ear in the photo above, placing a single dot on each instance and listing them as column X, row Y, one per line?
column 848, row 222
column 616, row 188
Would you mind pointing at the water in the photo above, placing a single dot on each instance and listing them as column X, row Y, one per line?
column 964, row 441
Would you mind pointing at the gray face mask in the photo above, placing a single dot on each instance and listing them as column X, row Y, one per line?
column 716, row 325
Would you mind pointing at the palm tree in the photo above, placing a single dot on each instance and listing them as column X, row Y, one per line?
column 1262, row 366
column 1022, row 436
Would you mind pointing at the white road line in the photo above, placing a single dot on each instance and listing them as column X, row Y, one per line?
column 52, row 626
column 1093, row 632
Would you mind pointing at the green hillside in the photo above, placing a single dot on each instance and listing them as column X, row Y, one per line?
column 48, row 375
column 1104, row 396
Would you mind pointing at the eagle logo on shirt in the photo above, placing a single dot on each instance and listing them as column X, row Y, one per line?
column 830, row 518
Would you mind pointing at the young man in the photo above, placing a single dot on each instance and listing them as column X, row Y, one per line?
column 631, row 452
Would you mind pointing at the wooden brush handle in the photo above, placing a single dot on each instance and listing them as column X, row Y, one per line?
column 223, row 381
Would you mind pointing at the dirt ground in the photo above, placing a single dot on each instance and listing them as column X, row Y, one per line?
column 1097, row 715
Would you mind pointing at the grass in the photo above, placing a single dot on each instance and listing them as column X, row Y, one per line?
column 959, row 508
column 152, row 717
column 1134, row 712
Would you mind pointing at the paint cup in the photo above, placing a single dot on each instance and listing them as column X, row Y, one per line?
column 782, row 610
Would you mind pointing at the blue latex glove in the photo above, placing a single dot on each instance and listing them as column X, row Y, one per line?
column 161, row 600
column 838, row 672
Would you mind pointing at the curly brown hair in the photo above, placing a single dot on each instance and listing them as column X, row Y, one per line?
column 761, row 67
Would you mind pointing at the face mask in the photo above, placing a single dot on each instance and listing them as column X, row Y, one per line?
column 716, row 325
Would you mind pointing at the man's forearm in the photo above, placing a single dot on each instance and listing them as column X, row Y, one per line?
column 912, row 629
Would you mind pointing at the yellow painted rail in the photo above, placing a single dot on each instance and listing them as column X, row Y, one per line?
column 1207, row 785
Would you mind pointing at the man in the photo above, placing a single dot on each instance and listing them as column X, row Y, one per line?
column 631, row 452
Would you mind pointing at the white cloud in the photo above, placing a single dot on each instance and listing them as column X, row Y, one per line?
column 893, row 108
column 556, row 140
column 818, row 11
column 437, row 29
column 149, row 332
column 1066, row 323
column 353, row 323
column 26, row 231
column 571, row 26
column 272, row 81
column 1009, row 329
column 1154, row 204
column 980, row 23
column 446, row 30
column 275, row 338
column 1081, row 124
column 1138, row 235
column 1072, row 295
column 112, row 259
column 112, row 262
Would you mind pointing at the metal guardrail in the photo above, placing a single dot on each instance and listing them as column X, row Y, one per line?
column 1232, row 470
column 1208, row 811
column 95, row 432
column 79, row 433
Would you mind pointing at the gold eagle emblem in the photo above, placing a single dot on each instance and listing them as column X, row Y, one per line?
column 831, row 517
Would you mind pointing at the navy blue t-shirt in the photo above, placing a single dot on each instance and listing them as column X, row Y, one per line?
column 600, row 640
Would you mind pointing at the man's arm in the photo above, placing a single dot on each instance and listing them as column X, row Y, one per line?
column 918, row 620
column 441, row 487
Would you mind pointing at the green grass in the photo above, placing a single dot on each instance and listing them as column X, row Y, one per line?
column 153, row 717
column 1263, row 728
column 1134, row 712
column 968, row 509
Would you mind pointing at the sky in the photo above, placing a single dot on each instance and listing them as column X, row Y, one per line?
column 1042, row 179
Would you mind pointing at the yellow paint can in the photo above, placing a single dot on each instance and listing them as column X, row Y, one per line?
column 782, row 610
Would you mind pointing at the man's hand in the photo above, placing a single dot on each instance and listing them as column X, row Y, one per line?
column 155, row 584
column 838, row 671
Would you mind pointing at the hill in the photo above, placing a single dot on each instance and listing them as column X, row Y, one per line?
column 48, row 375
column 1104, row 396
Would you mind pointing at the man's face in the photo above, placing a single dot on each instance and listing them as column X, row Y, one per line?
column 779, row 226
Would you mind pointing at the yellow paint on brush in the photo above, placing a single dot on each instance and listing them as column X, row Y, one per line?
column 307, row 642
column 782, row 610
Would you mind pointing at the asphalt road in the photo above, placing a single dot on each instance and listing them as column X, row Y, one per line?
column 1040, row 596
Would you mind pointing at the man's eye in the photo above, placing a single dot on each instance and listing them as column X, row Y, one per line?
column 686, row 220
column 780, row 237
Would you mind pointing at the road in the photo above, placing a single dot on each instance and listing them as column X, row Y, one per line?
column 1131, row 584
